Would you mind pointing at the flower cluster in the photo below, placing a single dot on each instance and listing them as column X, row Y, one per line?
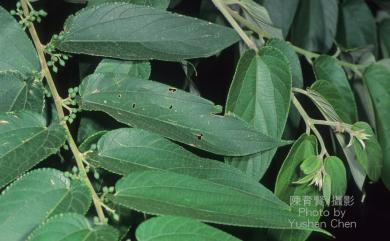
column 69, row 104
column 33, row 15
column 55, row 57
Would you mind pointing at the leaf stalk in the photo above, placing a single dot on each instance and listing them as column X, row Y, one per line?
column 223, row 8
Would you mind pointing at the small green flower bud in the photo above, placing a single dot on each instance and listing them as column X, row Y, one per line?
column 42, row 13
column 105, row 189
column 96, row 175
column 111, row 189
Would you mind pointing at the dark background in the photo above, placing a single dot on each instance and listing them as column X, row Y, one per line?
column 213, row 80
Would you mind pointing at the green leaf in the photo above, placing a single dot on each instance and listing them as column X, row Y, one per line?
column 310, row 165
column 168, row 193
column 17, row 51
column 326, row 68
column 356, row 27
column 314, row 206
column 282, row 13
column 376, row 78
column 303, row 149
column 315, row 25
column 178, row 229
column 24, row 142
column 385, row 63
column 172, row 113
column 260, row 16
column 357, row 170
column 334, row 167
column 19, row 94
column 162, row 4
column 327, row 188
column 324, row 90
column 134, row 32
column 384, row 33
column 370, row 156
column 294, row 118
column 288, row 51
column 137, row 69
column 306, row 179
column 72, row 227
column 87, row 143
column 36, row 196
column 260, row 94
column 123, row 151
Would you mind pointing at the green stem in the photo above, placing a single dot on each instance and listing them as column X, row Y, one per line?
column 307, row 54
column 311, row 55
column 338, row 126
column 224, row 10
column 301, row 91
column 58, row 104
column 310, row 126
column 248, row 24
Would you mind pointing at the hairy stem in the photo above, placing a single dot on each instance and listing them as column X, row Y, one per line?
column 58, row 104
column 310, row 126
column 247, row 23
column 224, row 10
column 356, row 68
column 338, row 126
